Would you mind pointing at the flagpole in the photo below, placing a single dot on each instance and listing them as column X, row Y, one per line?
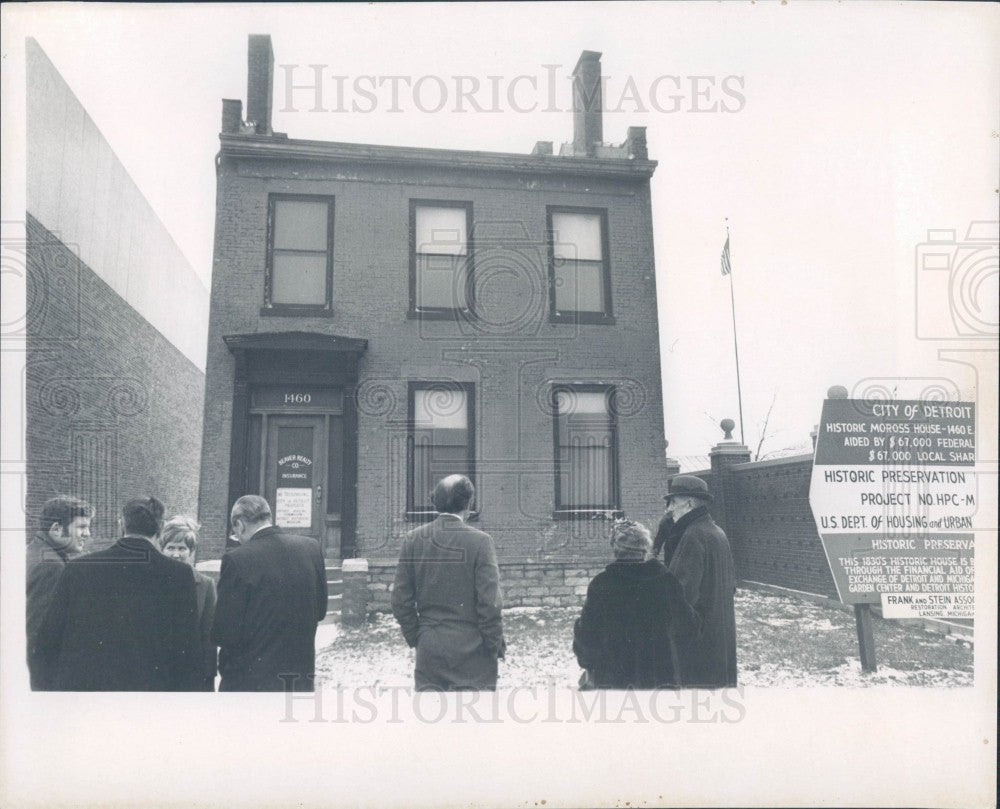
column 736, row 346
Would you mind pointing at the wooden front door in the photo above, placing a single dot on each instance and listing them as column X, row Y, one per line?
column 295, row 473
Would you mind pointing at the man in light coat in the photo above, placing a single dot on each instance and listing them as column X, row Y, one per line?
column 447, row 597
column 705, row 655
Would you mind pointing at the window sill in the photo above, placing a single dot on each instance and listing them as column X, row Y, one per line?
column 295, row 311
column 588, row 514
column 439, row 314
column 586, row 318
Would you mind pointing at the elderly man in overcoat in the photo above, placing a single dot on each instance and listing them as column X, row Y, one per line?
column 447, row 596
column 272, row 593
column 705, row 654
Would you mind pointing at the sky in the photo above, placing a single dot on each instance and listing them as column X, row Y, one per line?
column 831, row 136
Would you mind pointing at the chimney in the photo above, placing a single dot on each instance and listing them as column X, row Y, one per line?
column 587, row 103
column 635, row 143
column 232, row 115
column 260, row 82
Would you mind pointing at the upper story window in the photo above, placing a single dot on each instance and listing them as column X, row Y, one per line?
column 300, row 253
column 579, row 265
column 440, row 257
column 441, row 440
column 586, row 450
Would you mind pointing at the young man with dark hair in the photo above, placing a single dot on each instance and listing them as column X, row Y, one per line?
column 123, row 619
column 447, row 596
column 64, row 528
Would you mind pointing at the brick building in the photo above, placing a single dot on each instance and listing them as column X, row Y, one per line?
column 382, row 316
column 115, row 324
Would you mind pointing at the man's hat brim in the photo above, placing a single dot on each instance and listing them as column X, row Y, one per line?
column 706, row 496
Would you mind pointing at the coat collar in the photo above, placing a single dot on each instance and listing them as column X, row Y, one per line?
column 138, row 546
column 47, row 547
column 634, row 569
column 264, row 533
column 690, row 518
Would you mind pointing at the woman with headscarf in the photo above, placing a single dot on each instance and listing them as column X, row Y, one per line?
column 622, row 638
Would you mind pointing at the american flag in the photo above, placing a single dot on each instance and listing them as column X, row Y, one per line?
column 726, row 267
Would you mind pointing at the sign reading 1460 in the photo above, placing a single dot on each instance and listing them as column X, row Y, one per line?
column 330, row 400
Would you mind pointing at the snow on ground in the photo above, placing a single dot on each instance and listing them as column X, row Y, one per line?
column 782, row 642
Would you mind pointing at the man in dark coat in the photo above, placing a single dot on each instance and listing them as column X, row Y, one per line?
column 665, row 539
column 622, row 637
column 447, row 596
column 703, row 563
column 272, row 592
column 64, row 531
column 123, row 619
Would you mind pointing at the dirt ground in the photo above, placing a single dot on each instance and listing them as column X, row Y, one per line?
column 782, row 641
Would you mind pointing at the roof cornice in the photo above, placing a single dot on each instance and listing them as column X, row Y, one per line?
column 251, row 146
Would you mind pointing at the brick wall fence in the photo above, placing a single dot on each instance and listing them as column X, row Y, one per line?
column 763, row 507
column 774, row 538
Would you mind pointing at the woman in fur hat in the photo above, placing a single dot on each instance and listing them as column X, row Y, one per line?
column 622, row 637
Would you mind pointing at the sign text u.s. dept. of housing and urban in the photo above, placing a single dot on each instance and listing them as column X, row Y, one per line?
column 894, row 496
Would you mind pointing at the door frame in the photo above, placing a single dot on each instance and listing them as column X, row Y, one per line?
column 309, row 359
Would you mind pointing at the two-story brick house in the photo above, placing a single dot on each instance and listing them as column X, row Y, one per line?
column 382, row 316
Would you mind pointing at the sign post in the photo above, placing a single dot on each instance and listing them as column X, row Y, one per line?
column 893, row 493
column 866, row 637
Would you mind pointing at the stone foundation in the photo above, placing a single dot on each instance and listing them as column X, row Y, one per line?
column 524, row 584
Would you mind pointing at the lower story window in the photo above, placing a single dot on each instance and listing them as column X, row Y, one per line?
column 440, row 441
column 586, row 449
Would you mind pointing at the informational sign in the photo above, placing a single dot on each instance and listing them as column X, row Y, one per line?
column 294, row 493
column 894, row 493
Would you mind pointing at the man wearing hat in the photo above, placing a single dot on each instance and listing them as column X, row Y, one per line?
column 705, row 656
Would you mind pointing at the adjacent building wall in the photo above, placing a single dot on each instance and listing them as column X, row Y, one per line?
column 115, row 328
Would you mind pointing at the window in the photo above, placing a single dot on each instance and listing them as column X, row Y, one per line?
column 440, row 257
column 579, row 275
column 441, row 440
column 586, row 449
column 300, row 253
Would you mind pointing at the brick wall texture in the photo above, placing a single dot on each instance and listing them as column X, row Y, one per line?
column 114, row 410
column 522, row 584
column 513, row 361
column 774, row 537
